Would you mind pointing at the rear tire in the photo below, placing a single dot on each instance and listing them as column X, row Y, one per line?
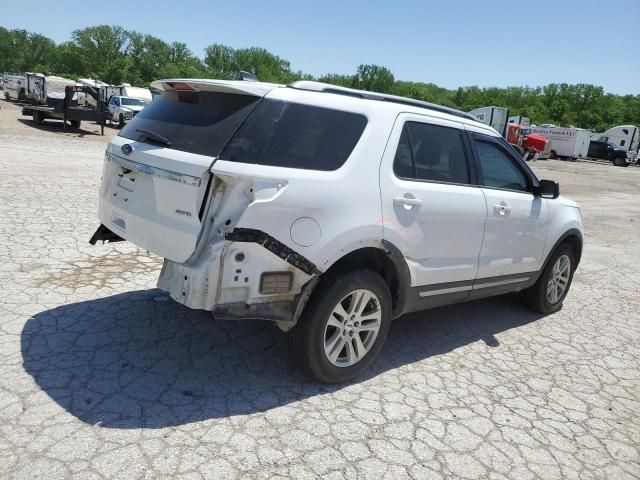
column 75, row 123
column 324, row 342
column 548, row 293
column 552, row 155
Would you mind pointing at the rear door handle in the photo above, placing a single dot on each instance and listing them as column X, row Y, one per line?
column 407, row 201
column 502, row 208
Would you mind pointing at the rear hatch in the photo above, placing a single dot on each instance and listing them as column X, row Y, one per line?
column 157, row 170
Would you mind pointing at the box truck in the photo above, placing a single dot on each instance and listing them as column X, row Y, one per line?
column 495, row 117
column 569, row 143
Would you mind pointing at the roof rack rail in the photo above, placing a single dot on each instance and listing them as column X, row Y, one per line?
column 382, row 97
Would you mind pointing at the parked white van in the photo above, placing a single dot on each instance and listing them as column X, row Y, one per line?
column 331, row 211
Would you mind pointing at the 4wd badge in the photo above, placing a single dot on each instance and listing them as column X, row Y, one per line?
column 183, row 212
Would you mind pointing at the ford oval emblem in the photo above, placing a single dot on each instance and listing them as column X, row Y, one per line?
column 126, row 149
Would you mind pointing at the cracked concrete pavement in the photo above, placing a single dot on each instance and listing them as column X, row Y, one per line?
column 104, row 377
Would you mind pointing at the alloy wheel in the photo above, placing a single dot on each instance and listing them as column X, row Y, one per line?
column 559, row 281
column 352, row 328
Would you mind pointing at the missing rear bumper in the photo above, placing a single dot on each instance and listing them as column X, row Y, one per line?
column 106, row 235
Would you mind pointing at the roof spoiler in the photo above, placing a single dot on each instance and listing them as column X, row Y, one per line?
column 239, row 87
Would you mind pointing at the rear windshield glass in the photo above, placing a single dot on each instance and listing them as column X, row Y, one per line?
column 292, row 135
column 195, row 122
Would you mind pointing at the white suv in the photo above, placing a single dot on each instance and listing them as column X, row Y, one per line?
column 331, row 211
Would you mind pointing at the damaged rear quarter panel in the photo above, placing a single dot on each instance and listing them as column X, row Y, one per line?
column 227, row 272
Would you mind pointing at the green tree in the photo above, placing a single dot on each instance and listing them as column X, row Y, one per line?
column 374, row 78
column 105, row 49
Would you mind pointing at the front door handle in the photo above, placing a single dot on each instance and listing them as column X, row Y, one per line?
column 407, row 201
column 502, row 208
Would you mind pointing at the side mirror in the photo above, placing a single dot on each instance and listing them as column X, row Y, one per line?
column 547, row 189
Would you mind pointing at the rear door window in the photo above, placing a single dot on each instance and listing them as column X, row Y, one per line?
column 431, row 152
column 293, row 135
column 195, row 122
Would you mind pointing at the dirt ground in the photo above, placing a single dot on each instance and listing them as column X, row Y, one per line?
column 12, row 122
column 103, row 377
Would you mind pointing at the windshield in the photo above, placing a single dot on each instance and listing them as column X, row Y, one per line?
column 195, row 122
column 133, row 101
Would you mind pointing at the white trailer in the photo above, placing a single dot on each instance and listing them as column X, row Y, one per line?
column 495, row 117
column 46, row 89
column 136, row 92
column 126, row 90
column 14, row 86
column 520, row 120
column 626, row 137
column 568, row 143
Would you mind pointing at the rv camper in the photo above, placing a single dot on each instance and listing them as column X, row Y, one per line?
column 495, row 117
column 143, row 94
column 46, row 89
column 126, row 90
column 14, row 86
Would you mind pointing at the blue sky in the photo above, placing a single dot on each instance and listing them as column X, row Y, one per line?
column 450, row 43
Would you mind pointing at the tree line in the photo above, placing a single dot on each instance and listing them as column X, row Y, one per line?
column 115, row 55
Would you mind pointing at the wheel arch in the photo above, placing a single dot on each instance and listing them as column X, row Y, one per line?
column 573, row 237
column 386, row 260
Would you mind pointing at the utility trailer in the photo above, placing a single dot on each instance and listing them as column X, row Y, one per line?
column 70, row 110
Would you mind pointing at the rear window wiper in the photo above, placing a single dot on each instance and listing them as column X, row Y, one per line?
column 153, row 136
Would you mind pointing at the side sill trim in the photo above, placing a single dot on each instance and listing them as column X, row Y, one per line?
column 500, row 282
column 441, row 291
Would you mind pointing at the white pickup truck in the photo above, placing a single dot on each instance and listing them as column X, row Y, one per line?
column 123, row 109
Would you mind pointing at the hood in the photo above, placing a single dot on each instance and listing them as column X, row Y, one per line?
column 133, row 108
column 536, row 137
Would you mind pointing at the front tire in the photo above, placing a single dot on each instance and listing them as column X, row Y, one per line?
column 120, row 121
column 343, row 326
column 620, row 162
column 548, row 293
